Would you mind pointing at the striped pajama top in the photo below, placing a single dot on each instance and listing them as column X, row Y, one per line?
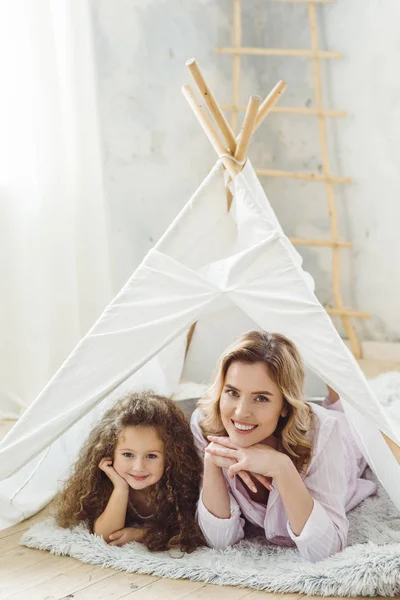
column 333, row 479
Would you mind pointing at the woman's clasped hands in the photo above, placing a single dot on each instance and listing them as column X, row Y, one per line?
column 259, row 461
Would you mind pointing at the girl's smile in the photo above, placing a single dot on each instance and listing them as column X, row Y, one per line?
column 139, row 477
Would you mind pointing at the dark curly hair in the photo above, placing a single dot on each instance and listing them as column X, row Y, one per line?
column 86, row 493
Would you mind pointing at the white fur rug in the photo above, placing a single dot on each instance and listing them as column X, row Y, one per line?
column 369, row 566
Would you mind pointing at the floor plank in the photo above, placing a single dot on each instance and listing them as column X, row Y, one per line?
column 23, row 525
column 9, row 543
column 66, row 584
column 118, row 585
column 14, row 583
column 19, row 559
column 218, row 592
column 167, row 589
column 373, row 368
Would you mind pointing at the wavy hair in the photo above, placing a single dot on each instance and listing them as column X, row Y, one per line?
column 86, row 493
column 285, row 367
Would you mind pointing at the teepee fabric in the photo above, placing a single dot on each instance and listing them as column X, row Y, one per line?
column 226, row 271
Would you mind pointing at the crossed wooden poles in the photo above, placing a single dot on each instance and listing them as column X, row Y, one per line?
column 228, row 147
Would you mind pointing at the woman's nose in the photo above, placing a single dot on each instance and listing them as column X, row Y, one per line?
column 242, row 409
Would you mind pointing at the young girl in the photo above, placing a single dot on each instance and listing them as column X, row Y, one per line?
column 137, row 477
column 298, row 465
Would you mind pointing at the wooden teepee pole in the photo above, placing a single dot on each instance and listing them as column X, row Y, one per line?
column 245, row 136
column 269, row 102
column 212, row 104
column 209, row 130
column 249, row 123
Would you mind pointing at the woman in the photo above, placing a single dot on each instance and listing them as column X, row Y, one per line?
column 299, row 467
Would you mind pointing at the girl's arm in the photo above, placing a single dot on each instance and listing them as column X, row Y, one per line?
column 126, row 535
column 113, row 517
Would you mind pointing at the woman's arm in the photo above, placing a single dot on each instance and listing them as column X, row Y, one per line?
column 215, row 495
column 296, row 498
column 266, row 461
column 219, row 520
column 113, row 517
column 325, row 532
column 317, row 521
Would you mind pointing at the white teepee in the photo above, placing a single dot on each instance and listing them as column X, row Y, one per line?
column 225, row 270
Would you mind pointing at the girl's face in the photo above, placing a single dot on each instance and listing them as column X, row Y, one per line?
column 139, row 456
column 250, row 404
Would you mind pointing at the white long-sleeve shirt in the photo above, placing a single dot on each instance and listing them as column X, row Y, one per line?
column 333, row 480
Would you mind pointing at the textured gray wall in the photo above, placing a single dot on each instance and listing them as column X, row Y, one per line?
column 156, row 155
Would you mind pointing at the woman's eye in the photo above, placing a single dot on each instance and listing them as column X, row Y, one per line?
column 262, row 399
column 232, row 393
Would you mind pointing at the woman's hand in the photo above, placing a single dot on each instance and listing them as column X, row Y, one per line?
column 259, row 459
column 106, row 465
column 226, row 463
column 126, row 535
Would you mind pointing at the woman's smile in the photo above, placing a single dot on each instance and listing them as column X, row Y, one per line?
column 243, row 428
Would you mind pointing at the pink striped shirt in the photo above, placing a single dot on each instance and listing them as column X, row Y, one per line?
column 333, row 480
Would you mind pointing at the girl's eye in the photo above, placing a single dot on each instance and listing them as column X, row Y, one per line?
column 232, row 393
column 127, row 454
column 262, row 399
column 152, row 456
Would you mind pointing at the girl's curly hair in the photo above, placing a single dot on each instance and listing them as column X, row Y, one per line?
column 284, row 365
column 86, row 493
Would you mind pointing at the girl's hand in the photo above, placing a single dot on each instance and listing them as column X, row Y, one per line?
column 225, row 463
column 106, row 465
column 126, row 535
column 258, row 459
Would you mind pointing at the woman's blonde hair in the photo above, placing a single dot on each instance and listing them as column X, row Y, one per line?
column 285, row 367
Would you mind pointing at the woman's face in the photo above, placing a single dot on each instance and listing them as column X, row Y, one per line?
column 250, row 404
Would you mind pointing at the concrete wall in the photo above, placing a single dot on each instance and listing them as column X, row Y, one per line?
column 156, row 154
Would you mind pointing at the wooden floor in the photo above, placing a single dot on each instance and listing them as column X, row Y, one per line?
column 27, row 574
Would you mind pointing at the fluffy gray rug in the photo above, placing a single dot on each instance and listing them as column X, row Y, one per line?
column 369, row 566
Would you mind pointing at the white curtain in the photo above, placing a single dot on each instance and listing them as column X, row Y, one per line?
column 54, row 258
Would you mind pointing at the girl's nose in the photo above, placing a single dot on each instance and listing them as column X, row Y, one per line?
column 139, row 463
